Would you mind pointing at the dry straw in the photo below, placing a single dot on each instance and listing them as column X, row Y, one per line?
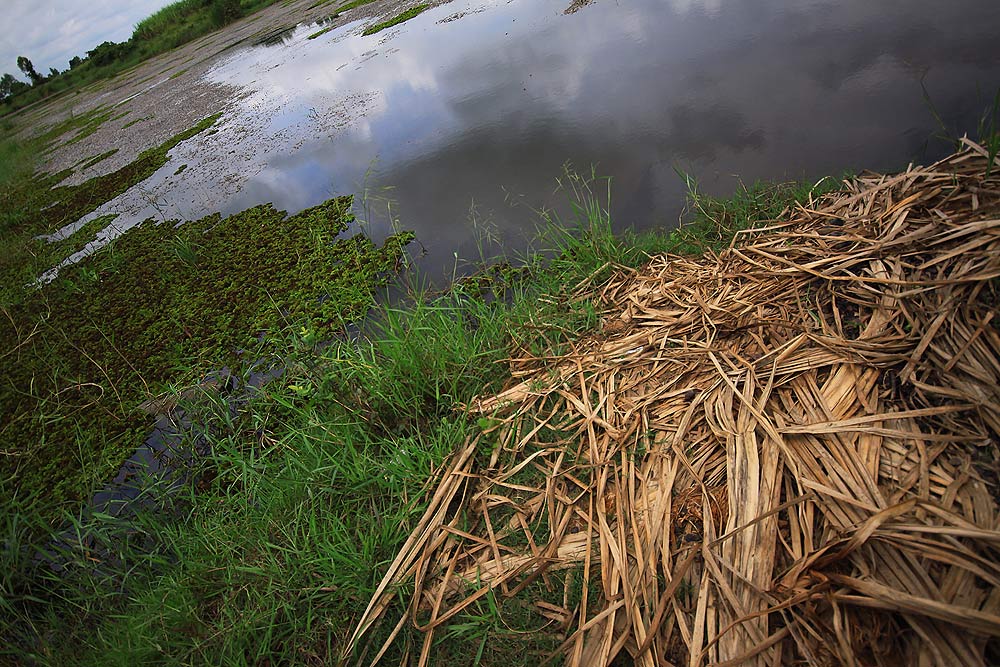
column 770, row 456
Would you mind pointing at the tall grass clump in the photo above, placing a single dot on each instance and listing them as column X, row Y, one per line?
column 714, row 222
column 17, row 167
column 185, row 20
column 16, row 161
column 265, row 548
column 987, row 130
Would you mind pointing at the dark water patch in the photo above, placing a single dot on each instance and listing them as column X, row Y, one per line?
column 177, row 452
column 479, row 104
column 158, row 460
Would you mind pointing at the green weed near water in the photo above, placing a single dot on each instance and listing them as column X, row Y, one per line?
column 321, row 32
column 405, row 16
column 988, row 129
column 16, row 166
column 347, row 5
column 98, row 158
column 271, row 548
column 989, row 132
column 38, row 205
column 715, row 221
column 136, row 121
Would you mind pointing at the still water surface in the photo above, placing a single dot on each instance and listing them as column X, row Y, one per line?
column 476, row 106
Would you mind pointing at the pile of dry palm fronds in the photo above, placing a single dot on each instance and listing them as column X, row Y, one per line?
column 778, row 455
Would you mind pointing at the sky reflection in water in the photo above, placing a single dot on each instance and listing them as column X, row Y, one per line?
column 485, row 109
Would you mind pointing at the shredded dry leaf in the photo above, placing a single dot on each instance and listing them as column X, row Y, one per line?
column 770, row 456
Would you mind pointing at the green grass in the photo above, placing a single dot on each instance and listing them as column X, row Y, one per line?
column 17, row 162
column 989, row 132
column 396, row 20
column 186, row 20
column 136, row 121
column 269, row 551
column 320, row 33
column 76, row 127
column 715, row 221
column 97, row 158
column 352, row 4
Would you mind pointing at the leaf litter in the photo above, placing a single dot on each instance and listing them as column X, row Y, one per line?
column 776, row 454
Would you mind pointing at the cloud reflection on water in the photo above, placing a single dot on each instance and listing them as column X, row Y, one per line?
column 495, row 102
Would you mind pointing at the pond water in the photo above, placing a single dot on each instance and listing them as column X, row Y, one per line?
column 478, row 105
column 464, row 116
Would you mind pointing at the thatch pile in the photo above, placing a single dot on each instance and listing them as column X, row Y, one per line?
column 778, row 455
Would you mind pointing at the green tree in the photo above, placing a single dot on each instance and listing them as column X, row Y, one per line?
column 25, row 66
column 107, row 53
column 6, row 81
column 11, row 87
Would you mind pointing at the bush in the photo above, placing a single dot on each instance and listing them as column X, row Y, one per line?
column 107, row 53
column 225, row 12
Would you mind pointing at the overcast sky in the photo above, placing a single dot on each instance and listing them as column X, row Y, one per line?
column 50, row 32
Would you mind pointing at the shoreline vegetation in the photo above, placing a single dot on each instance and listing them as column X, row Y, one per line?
column 170, row 27
column 292, row 500
column 742, row 450
column 396, row 20
column 296, row 495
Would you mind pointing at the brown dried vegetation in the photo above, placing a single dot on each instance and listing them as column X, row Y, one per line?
column 776, row 455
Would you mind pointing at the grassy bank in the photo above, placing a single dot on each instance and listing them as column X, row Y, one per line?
column 269, row 549
column 174, row 25
column 705, row 456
